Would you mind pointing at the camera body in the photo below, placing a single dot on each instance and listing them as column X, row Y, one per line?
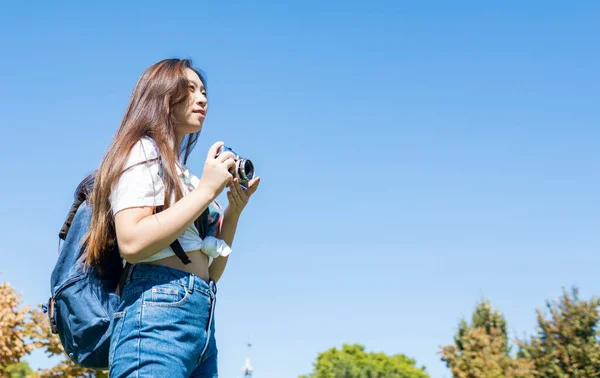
column 244, row 169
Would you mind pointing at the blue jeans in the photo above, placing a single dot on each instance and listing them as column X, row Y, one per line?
column 164, row 326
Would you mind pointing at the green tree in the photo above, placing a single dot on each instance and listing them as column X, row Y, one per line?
column 567, row 342
column 19, row 370
column 353, row 362
column 481, row 349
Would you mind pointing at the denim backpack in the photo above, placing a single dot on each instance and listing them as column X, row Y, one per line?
column 82, row 302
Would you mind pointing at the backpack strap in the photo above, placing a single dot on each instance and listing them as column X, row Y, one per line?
column 67, row 224
column 176, row 247
column 123, row 278
column 82, row 192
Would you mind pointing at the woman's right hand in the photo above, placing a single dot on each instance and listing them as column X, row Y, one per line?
column 217, row 170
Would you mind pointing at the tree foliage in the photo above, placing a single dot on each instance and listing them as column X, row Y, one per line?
column 481, row 349
column 353, row 362
column 13, row 328
column 19, row 370
column 567, row 342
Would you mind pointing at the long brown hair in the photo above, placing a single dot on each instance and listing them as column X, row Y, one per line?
column 149, row 113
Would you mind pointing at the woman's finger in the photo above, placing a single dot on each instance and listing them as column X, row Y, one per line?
column 241, row 192
column 235, row 191
column 231, row 198
column 252, row 186
column 226, row 155
column 214, row 150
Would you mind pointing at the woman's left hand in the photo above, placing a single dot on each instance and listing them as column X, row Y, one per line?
column 238, row 197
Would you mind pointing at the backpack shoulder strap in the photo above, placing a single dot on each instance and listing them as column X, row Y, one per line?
column 175, row 246
column 82, row 192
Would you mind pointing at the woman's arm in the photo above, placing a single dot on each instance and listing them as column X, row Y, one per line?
column 141, row 234
column 227, row 233
column 238, row 199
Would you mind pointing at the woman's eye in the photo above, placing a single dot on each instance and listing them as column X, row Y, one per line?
column 191, row 88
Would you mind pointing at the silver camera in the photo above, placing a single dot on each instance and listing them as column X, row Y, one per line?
column 244, row 169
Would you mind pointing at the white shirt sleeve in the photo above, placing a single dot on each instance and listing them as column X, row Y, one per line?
column 140, row 183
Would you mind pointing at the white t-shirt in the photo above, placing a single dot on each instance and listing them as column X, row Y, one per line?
column 141, row 185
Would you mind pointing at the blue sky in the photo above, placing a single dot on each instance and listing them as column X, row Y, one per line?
column 415, row 158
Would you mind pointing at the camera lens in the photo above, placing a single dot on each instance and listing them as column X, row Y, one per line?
column 248, row 169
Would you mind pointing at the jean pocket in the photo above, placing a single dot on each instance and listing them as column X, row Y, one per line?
column 166, row 295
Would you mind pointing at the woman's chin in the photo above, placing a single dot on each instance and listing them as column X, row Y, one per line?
column 192, row 129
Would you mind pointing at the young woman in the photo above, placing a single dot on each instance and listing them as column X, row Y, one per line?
column 145, row 200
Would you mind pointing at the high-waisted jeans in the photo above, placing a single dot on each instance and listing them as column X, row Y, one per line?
column 164, row 326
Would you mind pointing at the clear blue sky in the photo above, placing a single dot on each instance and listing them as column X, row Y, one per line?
column 414, row 158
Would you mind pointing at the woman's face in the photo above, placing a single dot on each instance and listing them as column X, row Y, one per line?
column 190, row 114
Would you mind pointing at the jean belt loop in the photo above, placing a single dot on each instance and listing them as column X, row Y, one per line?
column 191, row 283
